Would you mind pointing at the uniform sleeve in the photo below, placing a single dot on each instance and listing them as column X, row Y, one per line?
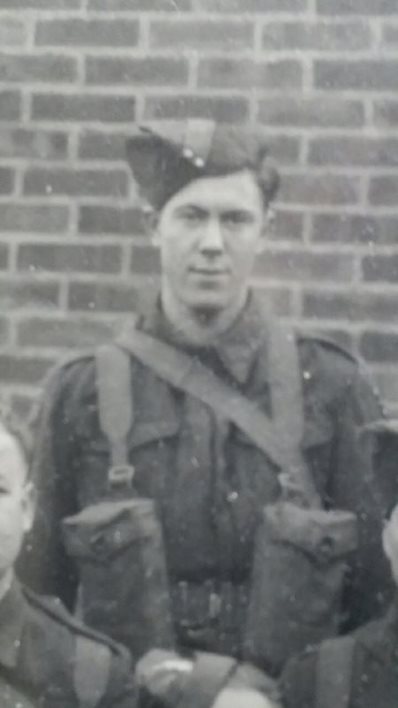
column 121, row 690
column 297, row 683
column 354, row 486
column 44, row 565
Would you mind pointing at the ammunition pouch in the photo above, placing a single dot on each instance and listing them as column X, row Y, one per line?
column 298, row 573
column 123, row 590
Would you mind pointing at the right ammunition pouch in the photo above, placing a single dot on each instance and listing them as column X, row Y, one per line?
column 298, row 571
column 117, row 542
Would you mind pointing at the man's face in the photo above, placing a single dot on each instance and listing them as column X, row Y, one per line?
column 210, row 234
column 16, row 502
column 390, row 543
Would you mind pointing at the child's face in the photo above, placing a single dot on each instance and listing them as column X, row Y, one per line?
column 16, row 502
column 390, row 542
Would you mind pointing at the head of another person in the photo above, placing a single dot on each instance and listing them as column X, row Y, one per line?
column 390, row 542
column 209, row 187
column 17, row 498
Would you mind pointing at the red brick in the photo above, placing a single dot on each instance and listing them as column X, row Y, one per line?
column 135, row 5
column 62, row 107
column 31, row 68
column 278, row 300
column 6, row 180
column 95, row 145
column 390, row 35
column 3, row 256
column 284, row 149
column 12, row 32
column 251, row 5
column 229, row 109
column 311, row 112
column 354, row 228
column 383, row 191
column 331, row 304
column 380, row 268
column 18, row 293
column 87, row 33
column 4, row 330
column 65, row 258
column 32, row 217
column 379, row 346
column 304, row 266
column 361, row 75
column 288, row 226
column 102, row 297
column 40, row 4
column 151, row 71
column 246, row 74
column 145, row 260
column 10, row 105
column 110, row 220
column 386, row 113
column 319, row 189
column 319, row 36
column 359, row 151
column 61, row 332
column 99, row 182
column 357, row 7
column 225, row 35
column 33, row 144
column 23, row 369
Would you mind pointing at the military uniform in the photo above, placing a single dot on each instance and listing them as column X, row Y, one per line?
column 39, row 656
column 373, row 679
column 209, row 480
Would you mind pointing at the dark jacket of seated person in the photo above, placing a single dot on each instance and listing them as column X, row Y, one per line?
column 46, row 657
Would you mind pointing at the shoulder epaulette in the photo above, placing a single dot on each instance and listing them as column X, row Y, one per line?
column 329, row 343
column 55, row 610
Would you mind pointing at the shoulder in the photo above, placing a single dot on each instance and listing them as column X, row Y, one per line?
column 327, row 350
column 53, row 614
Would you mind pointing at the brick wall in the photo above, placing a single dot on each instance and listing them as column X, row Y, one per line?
column 320, row 75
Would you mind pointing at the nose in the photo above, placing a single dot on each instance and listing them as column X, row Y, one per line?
column 212, row 242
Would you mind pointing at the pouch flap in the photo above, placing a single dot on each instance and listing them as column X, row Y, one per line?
column 102, row 530
column 327, row 535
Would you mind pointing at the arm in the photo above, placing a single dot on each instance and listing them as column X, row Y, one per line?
column 354, row 486
column 44, row 564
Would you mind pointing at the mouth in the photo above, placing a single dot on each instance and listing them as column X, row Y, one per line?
column 209, row 272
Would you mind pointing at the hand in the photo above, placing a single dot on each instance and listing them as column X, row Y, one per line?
column 243, row 698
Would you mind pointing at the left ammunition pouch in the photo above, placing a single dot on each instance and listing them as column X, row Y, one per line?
column 298, row 572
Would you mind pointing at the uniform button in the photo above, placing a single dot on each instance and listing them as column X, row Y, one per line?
column 232, row 497
column 199, row 162
column 187, row 152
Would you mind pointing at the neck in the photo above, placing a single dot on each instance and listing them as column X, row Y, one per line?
column 5, row 582
column 201, row 327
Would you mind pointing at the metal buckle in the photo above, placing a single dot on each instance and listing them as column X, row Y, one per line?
column 121, row 477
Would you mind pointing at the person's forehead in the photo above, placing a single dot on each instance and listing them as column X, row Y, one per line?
column 230, row 190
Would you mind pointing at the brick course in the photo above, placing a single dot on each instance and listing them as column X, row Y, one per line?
column 320, row 76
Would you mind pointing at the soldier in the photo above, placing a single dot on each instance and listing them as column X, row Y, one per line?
column 209, row 188
column 46, row 658
column 359, row 670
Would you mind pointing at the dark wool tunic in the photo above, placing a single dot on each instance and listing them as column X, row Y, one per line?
column 209, row 480
column 38, row 654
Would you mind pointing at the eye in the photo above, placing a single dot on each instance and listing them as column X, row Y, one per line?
column 234, row 219
column 192, row 216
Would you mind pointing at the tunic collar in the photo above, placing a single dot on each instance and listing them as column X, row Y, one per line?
column 237, row 348
column 12, row 619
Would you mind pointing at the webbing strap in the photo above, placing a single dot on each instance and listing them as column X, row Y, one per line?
column 209, row 675
column 91, row 671
column 287, row 405
column 333, row 673
column 188, row 374
column 115, row 404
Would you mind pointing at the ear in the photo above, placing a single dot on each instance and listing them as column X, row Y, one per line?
column 267, row 228
column 29, row 499
column 151, row 220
